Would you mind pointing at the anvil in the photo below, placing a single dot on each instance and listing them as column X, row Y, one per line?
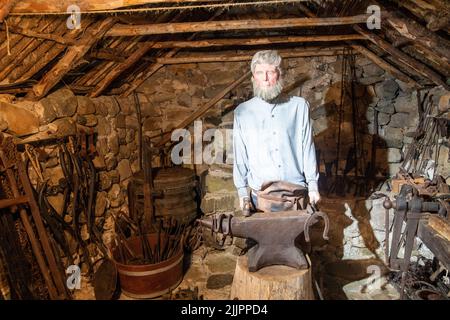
column 274, row 232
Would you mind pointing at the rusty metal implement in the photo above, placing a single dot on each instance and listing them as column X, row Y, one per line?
column 275, row 234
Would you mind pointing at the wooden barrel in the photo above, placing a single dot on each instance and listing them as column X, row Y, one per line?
column 149, row 280
column 176, row 185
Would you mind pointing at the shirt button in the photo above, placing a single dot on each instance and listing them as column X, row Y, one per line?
column 276, row 149
column 279, row 166
column 273, row 116
column 274, row 132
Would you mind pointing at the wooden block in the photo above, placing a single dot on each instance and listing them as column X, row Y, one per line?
column 271, row 283
column 440, row 225
column 397, row 183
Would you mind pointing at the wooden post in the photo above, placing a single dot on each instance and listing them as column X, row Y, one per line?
column 271, row 283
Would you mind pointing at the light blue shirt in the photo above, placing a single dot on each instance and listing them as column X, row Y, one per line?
column 273, row 142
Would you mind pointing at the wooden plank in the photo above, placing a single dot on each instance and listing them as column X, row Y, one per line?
column 440, row 225
column 254, row 41
column 65, row 64
column 182, row 27
column 438, row 245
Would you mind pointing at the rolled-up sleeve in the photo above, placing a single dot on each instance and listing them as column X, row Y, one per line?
column 309, row 153
column 240, row 163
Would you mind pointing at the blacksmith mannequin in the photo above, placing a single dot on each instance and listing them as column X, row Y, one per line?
column 272, row 135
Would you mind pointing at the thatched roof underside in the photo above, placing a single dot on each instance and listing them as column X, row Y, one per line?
column 118, row 48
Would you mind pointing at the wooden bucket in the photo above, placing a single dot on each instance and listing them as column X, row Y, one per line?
column 149, row 280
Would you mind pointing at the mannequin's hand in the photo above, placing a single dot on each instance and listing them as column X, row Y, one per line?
column 314, row 197
column 241, row 203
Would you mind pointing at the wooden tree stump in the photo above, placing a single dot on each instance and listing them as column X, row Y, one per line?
column 271, row 283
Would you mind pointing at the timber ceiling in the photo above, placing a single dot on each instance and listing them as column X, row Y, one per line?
column 120, row 44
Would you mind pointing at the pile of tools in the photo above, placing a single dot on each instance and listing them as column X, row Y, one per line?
column 169, row 235
column 59, row 239
column 410, row 207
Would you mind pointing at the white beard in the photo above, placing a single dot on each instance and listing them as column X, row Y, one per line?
column 269, row 93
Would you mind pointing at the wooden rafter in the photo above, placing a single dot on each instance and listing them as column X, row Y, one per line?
column 45, row 52
column 437, row 14
column 127, row 45
column 398, row 55
column 5, row 7
column 45, row 6
column 254, row 41
column 114, row 44
column 44, row 36
column 131, row 60
column 310, row 52
column 144, row 75
column 412, row 30
column 21, row 49
column 71, row 57
column 203, row 109
column 139, row 52
column 182, row 27
column 402, row 57
column 108, row 54
column 385, row 65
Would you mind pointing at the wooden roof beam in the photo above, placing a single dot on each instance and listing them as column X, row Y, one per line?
column 394, row 52
column 403, row 57
column 121, row 67
column 72, row 56
column 412, row 30
column 152, row 68
column 182, row 27
column 255, row 41
column 44, row 36
column 385, row 65
column 310, row 52
column 437, row 15
column 45, row 6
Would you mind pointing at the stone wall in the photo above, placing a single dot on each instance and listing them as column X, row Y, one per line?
column 62, row 114
column 175, row 91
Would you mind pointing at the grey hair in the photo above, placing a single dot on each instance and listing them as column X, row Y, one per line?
column 267, row 56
